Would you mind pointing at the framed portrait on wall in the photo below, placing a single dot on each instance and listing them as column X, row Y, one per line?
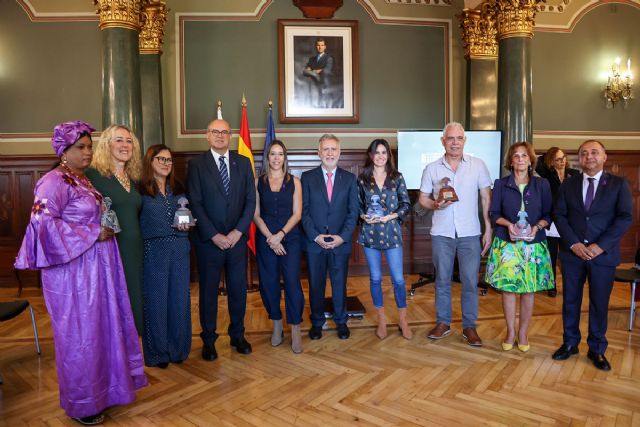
column 318, row 71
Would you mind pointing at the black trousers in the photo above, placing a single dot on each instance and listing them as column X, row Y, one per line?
column 337, row 265
column 211, row 261
column 574, row 274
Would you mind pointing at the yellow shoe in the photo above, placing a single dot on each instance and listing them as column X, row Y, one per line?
column 507, row 346
column 524, row 348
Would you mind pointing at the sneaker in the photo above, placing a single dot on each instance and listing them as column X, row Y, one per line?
column 440, row 331
column 471, row 337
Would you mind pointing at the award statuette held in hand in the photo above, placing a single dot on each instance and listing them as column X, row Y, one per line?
column 447, row 193
column 109, row 218
column 523, row 228
column 183, row 215
column 375, row 209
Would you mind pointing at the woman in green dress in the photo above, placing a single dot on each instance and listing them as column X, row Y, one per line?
column 114, row 172
column 519, row 261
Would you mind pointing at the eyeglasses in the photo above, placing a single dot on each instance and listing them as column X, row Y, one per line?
column 560, row 159
column 164, row 160
column 216, row 132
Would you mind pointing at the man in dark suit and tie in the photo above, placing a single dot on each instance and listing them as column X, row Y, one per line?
column 329, row 216
column 592, row 212
column 221, row 190
column 319, row 70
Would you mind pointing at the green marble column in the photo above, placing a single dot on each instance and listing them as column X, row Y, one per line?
column 514, row 91
column 153, row 17
column 481, row 50
column 152, row 112
column 121, row 96
column 515, row 19
column 481, row 96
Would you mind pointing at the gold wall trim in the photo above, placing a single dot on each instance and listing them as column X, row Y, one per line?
column 573, row 13
column 420, row 2
column 119, row 13
column 153, row 17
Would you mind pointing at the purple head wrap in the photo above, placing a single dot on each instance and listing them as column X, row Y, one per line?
column 67, row 133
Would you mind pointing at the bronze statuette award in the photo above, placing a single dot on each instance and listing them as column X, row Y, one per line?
column 447, row 193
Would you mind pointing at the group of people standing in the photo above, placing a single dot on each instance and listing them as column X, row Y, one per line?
column 102, row 296
column 103, row 293
column 585, row 213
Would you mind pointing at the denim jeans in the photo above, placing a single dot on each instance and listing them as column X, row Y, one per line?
column 444, row 250
column 394, row 260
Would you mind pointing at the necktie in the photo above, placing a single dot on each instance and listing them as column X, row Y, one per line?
column 588, row 200
column 329, row 185
column 224, row 174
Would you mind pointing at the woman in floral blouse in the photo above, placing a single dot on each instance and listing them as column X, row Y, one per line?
column 384, row 203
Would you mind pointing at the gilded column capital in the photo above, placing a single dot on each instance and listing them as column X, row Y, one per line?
column 516, row 18
column 479, row 33
column 119, row 13
column 153, row 17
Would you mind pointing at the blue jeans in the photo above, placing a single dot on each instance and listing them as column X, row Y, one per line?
column 394, row 260
column 444, row 250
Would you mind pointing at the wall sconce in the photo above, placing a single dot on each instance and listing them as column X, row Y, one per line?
column 618, row 85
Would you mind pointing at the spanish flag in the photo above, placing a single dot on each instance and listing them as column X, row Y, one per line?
column 244, row 149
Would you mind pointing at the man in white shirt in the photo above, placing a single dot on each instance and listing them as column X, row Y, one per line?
column 456, row 229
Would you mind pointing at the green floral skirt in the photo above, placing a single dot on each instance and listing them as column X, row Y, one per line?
column 519, row 267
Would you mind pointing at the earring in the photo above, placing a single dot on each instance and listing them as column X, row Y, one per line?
column 64, row 160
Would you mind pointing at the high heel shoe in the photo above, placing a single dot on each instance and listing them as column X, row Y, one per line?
column 403, row 325
column 524, row 347
column 381, row 329
column 408, row 336
column 507, row 346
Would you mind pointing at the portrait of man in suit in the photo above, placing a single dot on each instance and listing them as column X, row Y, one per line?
column 592, row 212
column 322, row 72
column 221, row 190
column 329, row 217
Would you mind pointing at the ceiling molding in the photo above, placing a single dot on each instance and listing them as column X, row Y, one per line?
column 566, row 20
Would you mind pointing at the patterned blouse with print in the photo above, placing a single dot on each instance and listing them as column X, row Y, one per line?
column 394, row 198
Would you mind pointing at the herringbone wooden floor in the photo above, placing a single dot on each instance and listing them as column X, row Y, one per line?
column 361, row 381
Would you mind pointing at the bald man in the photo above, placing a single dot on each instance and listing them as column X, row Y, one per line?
column 222, row 194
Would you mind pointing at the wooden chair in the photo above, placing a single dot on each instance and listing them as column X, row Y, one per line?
column 631, row 276
column 10, row 309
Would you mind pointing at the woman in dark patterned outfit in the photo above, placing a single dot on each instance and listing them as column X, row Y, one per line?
column 381, row 184
column 167, row 308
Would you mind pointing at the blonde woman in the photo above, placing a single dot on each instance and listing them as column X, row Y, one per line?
column 114, row 172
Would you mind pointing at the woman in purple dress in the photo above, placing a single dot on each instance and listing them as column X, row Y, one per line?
column 98, row 357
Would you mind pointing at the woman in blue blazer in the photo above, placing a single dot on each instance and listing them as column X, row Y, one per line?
column 519, row 262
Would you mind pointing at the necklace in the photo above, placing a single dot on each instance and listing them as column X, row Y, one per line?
column 123, row 180
column 81, row 178
column 84, row 181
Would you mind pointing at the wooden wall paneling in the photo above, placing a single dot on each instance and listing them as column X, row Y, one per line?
column 18, row 175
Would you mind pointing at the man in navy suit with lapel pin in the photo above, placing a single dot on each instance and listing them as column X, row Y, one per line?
column 329, row 217
column 221, row 190
column 592, row 212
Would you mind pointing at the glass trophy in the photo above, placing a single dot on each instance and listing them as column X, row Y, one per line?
column 109, row 218
column 523, row 228
column 375, row 209
column 447, row 193
column 183, row 215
